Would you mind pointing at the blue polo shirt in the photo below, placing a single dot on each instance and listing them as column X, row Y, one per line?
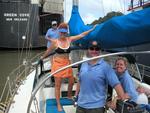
column 128, row 85
column 51, row 33
column 94, row 80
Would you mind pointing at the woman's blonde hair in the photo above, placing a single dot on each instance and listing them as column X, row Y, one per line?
column 123, row 59
column 63, row 25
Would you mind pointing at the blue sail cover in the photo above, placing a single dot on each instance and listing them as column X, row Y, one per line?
column 122, row 31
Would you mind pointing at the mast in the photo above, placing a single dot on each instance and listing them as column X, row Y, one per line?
column 76, row 2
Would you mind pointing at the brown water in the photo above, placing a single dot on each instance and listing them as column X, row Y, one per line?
column 9, row 60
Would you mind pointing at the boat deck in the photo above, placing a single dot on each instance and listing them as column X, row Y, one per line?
column 51, row 106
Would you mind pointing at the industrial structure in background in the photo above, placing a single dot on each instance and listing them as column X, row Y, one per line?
column 23, row 23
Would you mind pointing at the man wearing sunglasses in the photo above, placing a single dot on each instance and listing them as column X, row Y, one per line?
column 94, row 77
column 52, row 33
column 93, row 50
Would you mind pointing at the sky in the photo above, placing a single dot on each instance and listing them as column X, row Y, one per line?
column 91, row 10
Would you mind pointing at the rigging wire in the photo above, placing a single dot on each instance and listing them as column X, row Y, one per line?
column 102, row 7
column 124, row 6
column 18, row 34
column 29, row 35
column 25, row 41
column 65, row 11
column 112, row 4
column 32, row 30
column 28, row 32
column 121, row 5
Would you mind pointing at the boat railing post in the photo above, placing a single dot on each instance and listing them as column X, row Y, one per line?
column 143, row 72
column 36, row 105
column 9, row 84
column 36, row 74
column 140, row 76
column 27, row 65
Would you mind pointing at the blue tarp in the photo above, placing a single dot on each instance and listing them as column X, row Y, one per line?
column 122, row 31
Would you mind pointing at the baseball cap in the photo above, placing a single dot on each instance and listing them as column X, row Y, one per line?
column 54, row 22
column 94, row 44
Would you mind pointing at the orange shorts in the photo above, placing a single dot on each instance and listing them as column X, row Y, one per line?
column 58, row 63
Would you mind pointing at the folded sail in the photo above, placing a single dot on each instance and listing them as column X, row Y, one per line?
column 122, row 31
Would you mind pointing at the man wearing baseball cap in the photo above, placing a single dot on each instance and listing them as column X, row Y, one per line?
column 52, row 33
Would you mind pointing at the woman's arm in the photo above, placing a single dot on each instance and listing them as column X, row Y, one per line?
column 47, row 52
column 77, row 37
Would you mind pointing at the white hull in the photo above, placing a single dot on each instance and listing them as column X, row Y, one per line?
column 21, row 99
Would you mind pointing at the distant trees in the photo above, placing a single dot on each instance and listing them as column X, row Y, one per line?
column 107, row 17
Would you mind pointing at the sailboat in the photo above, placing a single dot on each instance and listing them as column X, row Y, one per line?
column 33, row 91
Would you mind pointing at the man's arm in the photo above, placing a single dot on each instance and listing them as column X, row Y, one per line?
column 49, row 38
column 77, row 89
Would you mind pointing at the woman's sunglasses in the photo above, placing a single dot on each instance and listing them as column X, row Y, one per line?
column 94, row 48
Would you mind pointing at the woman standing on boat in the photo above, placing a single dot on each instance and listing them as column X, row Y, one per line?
column 61, row 59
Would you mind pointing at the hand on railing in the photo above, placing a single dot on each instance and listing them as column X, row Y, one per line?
column 75, row 99
column 40, row 62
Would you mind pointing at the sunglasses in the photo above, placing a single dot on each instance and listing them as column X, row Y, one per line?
column 63, row 32
column 94, row 48
column 54, row 25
